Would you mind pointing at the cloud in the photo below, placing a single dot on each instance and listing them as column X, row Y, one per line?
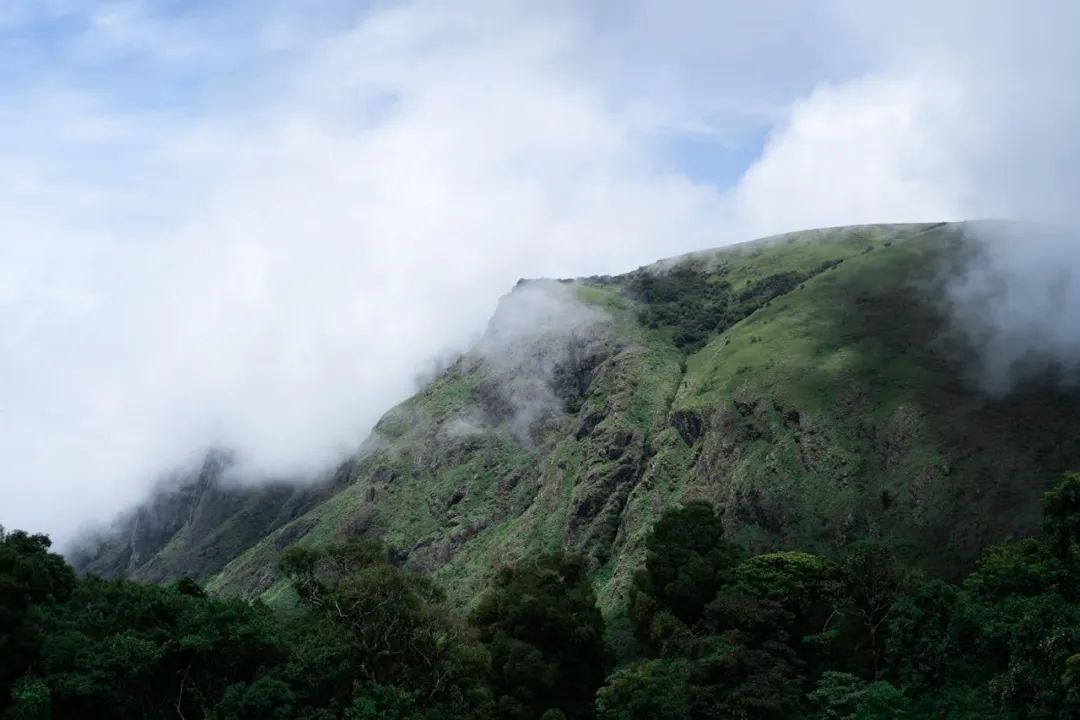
column 972, row 115
column 1015, row 303
column 251, row 224
column 530, row 335
column 363, row 218
column 877, row 149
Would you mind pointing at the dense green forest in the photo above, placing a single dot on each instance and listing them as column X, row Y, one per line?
column 719, row 634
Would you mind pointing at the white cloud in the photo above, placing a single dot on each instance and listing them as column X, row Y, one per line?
column 260, row 244
column 970, row 116
column 878, row 149
column 410, row 171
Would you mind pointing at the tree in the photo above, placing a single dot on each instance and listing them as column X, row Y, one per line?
column 687, row 561
column 265, row 699
column 922, row 652
column 118, row 648
column 30, row 576
column 1061, row 520
column 873, row 579
column 30, row 700
column 377, row 702
column 398, row 628
column 385, row 612
column 649, row 690
column 745, row 666
column 842, row 696
column 1016, row 567
column 1040, row 634
column 810, row 587
column 545, row 634
column 1071, row 681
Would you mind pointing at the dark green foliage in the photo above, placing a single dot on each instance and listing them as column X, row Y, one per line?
column 1071, row 682
column 691, row 302
column 687, row 562
column 745, row 666
column 376, row 642
column 265, row 699
column 546, row 637
column 777, row 636
column 762, row 291
column 30, row 577
column 922, row 652
column 30, row 700
column 842, row 696
column 395, row 621
column 808, row 586
column 121, row 649
column 873, row 579
column 699, row 303
column 379, row 702
column 390, row 630
column 790, row 634
column 1044, row 634
column 1015, row 567
column 1061, row 521
column 810, row 590
column 649, row 690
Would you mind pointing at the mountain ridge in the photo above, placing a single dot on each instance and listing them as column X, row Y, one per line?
column 806, row 384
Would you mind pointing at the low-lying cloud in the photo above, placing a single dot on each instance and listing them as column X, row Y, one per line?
column 530, row 335
column 252, row 226
column 1015, row 302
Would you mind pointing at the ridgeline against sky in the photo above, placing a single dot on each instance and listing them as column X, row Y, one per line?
column 249, row 225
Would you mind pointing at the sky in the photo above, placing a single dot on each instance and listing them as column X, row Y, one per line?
column 254, row 223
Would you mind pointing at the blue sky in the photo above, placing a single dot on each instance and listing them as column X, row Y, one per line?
column 183, row 63
column 251, row 223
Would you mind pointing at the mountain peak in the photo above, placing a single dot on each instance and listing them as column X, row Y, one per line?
column 802, row 383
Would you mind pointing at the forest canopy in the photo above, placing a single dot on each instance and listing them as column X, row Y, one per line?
column 718, row 634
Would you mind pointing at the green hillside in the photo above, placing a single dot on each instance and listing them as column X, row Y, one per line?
column 807, row 385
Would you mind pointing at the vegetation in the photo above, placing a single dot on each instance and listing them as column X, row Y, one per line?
column 782, row 635
column 832, row 413
column 696, row 304
column 545, row 636
column 805, row 385
column 792, row 635
column 687, row 563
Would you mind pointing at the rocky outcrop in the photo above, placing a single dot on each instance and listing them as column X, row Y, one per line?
column 194, row 524
column 797, row 384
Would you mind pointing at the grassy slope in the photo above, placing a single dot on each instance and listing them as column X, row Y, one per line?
column 889, row 442
column 826, row 416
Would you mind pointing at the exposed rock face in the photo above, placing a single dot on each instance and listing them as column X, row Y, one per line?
column 193, row 525
column 799, row 384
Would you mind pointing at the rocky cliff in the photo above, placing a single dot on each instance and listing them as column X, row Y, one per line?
column 809, row 385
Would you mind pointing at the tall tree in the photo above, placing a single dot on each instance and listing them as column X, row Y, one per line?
column 873, row 579
column 30, row 576
column 396, row 623
column 546, row 637
column 687, row 561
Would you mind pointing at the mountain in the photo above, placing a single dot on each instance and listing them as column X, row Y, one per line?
column 810, row 385
column 194, row 523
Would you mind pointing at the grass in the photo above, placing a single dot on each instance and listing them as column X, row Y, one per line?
column 828, row 414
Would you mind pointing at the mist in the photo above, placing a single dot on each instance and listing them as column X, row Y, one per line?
column 254, row 226
column 1014, row 302
column 528, row 337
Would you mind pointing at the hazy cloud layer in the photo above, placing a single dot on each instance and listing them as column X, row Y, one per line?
column 1016, row 304
column 528, row 337
column 251, row 224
